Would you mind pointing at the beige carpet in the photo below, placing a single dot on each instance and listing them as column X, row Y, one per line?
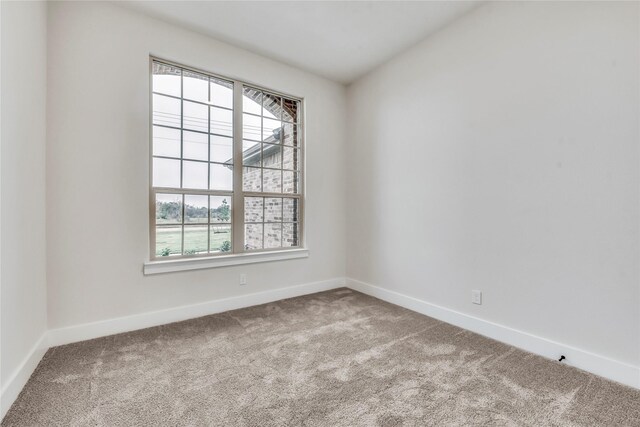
column 336, row 358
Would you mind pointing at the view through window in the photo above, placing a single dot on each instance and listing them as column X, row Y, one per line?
column 226, row 165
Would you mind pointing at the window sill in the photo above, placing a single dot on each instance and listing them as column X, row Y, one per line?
column 185, row 264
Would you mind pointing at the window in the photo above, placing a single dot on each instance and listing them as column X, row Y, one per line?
column 226, row 166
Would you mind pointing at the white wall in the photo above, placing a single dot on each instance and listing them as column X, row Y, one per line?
column 501, row 154
column 23, row 273
column 97, row 166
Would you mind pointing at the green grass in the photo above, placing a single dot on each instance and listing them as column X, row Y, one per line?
column 195, row 239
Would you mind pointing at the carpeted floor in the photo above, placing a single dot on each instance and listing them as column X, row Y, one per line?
column 337, row 358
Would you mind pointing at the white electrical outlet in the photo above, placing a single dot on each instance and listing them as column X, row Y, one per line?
column 243, row 279
column 476, row 297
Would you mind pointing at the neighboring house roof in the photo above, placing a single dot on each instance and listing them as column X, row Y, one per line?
column 251, row 156
column 271, row 103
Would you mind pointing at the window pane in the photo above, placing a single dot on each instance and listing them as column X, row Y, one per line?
column 168, row 208
column 272, row 209
column 195, row 116
column 291, row 158
column 271, row 155
column 251, row 101
column 290, row 210
column 221, row 177
column 251, row 179
column 196, row 239
column 290, row 136
column 271, row 131
column 221, row 121
column 220, row 238
column 194, row 175
column 166, row 173
column 166, row 79
column 166, row 142
column 290, row 109
column 290, row 182
column 221, row 149
column 253, row 209
column 272, row 235
column 168, row 241
column 253, row 236
column 271, row 181
column 193, row 152
column 196, row 209
column 194, row 145
column 290, row 235
column 251, row 126
column 221, row 209
column 166, row 111
column 251, row 153
column 195, row 86
column 221, row 93
column 271, row 106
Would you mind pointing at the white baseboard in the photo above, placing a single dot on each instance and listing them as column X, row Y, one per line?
column 134, row 322
column 582, row 359
column 13, row 386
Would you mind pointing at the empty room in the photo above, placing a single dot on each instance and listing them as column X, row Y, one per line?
column 319, row 213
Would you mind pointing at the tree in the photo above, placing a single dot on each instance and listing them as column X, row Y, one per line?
column 225, row 246
column 168, row 210
column 223, row 212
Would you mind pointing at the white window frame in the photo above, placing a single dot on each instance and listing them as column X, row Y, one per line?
column 238, row 253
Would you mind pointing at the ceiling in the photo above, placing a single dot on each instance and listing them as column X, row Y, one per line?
column 340, row 40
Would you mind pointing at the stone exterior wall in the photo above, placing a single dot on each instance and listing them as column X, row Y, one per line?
column 271, row 180
column 275, row 219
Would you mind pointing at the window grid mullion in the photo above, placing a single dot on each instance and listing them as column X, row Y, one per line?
column 208, row 224
column 190, row 130
column 281, row 154
column 182, row 234
column 237, row 223
column 262, row 164
column 184, row 211
column 195, row 101
column 189, row 160
column 181, row 128
column 264, row 219
column 209, row 166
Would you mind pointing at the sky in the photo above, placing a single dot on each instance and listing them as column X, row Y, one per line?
column 166, row 141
